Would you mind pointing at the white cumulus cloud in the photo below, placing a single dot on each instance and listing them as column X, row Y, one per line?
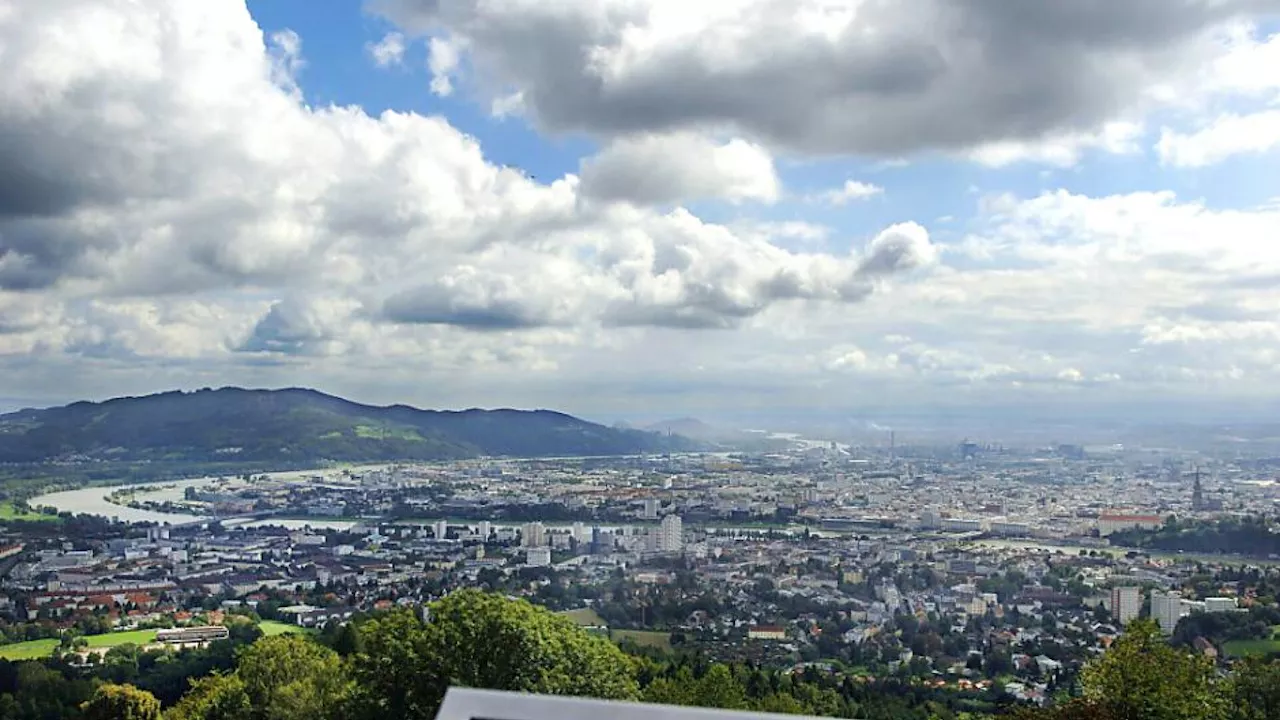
column 851, row 191
column 388, row 51
column 675, row 168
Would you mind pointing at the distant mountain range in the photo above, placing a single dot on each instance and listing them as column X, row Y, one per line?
column 300, row 425
column 721, row 438
column 688, row 427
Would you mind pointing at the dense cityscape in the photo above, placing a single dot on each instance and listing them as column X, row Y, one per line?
column 973, row 570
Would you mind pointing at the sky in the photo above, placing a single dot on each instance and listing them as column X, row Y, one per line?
column 646, row 208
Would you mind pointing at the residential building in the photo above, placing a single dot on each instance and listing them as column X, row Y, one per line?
column 183, row 636
column 537, row 556
column 1219, row 604
column 1010, row 529
column 1109, row 523
column 766, row 632
column 1167, row 608
column 930, row 519
column 671, row 539
column 533, row 535
column 1126, row 603
column 961, row 525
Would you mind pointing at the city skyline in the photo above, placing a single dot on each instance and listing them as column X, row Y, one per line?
column 505, row 205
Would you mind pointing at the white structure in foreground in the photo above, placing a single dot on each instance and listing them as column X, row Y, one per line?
column 472, row 704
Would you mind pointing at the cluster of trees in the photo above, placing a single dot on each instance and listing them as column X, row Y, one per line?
column 1265, row 582
column 1255, row 624
column 398, row 666
column 1251, row 536
column 16, row 632
column 1143, row 678
column 53, row 688
column 813, row 691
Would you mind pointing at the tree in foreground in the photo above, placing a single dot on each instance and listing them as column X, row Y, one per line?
column 291, row 676
column 1078, row 709
column 1255, row 690
column 718, row 688
column 121, row 702
column 1141, row 676
column 287, row 677
column 484, row 641
column 215, row 697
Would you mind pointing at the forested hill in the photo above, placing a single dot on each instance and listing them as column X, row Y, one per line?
column 300, row 425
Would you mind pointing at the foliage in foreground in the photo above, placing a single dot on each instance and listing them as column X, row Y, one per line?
column 121, row 702
column 480, row 640
column 403, row 665
column 1143, row 678
column 398, row 666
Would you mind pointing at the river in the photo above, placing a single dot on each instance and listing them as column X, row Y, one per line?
column 94, row 501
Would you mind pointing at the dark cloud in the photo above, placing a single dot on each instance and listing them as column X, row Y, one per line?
column 35, row 252
column 702, row 306
column 909, row 75
column 23, row 193
column 435, row 305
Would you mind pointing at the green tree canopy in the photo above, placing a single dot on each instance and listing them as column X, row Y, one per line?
column 387, row 671
column 121, row 702
column 1255, row 690
column 290, row 677
column 287, row 677
column 678, row 690
column 1142, row 678
column 720, row 689
column 216, row 697
column 481, row 640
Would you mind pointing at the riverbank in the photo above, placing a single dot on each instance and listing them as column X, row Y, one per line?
column 1118, row 551
column 97, row 499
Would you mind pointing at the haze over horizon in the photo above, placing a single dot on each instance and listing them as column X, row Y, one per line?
column 818, row 209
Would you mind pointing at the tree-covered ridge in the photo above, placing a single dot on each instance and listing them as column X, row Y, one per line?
column 299, row 425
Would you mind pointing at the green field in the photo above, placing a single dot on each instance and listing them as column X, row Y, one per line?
column 137, row 637
column 586, row 617
column 275, row 627
column 1240, row 648
column 29, row 650
column 9, row 512
column 644, row 638
column 36, row 649
column 386, row 433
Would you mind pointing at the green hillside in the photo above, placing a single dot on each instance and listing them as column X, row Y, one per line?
column 299, row 425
